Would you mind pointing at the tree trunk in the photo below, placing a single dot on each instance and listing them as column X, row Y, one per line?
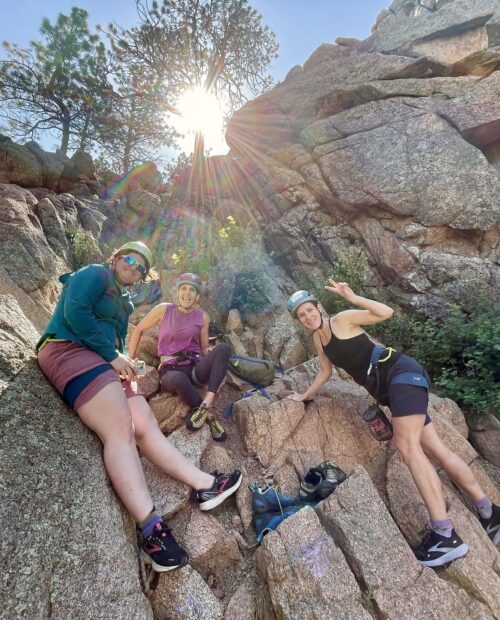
column 198, row 181
column 66, row 121
column 129, row 140
column 85, row 131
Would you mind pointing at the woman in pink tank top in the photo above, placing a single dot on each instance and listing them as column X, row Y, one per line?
column 187, row 360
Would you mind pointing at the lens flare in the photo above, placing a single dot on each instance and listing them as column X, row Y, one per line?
column 200, row 112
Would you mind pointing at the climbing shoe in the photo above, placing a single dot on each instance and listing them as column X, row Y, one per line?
column 492, row 525
column 217, row 430
column 224, row 485
column 161, row 550
column 320, row 482
column 437, row 550
column 197, row 418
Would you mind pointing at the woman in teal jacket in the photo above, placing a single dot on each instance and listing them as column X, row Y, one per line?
column 82, row 354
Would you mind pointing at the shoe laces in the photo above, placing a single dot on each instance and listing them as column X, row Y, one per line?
column 163, row 530
column 329, row 472
column 199, row 413
column 216, row 427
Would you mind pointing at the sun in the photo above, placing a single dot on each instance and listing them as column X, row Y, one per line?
column 200, row 112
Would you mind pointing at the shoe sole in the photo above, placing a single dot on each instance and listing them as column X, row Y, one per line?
column 221, row 438
column 158, row 567
column 212, row 503
column 454, row 554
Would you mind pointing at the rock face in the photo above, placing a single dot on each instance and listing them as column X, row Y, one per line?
column 307, row 574
column 68, row 518
column 390, row 144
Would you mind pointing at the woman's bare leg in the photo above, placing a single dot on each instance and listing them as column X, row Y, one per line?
column 458, row 471
column 108, row 415
column 407, row 437
column 158, row 449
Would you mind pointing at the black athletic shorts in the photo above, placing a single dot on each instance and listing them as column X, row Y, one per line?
column 407, row 399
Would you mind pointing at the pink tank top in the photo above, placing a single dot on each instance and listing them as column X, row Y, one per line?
column 179, row 331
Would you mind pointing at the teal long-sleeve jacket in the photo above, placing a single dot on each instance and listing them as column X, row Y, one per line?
column 93, row 311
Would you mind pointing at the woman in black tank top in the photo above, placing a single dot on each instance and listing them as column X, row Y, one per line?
column 341, row 340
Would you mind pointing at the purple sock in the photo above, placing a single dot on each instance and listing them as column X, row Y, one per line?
column 148, row 523
column 484, row 507
column 443, row 527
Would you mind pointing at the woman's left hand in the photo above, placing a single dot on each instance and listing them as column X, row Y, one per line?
column 124, row 367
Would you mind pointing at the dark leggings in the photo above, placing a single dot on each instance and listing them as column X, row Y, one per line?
column 209, row 371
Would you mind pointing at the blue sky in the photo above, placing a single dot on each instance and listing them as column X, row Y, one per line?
column 300, row 27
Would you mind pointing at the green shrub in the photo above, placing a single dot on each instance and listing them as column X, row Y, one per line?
column 250, row 292
column 83, row 247
column 351, row 268
column 233, row 260
column 461, row 351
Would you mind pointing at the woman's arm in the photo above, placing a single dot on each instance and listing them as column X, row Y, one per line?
column 372, row 311
column 204, row 344
column 325, row 372
column 152, row 317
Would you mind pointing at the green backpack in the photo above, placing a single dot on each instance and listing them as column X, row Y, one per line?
column 252, row 369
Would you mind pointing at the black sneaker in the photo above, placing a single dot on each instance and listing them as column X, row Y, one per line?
column 436, row 550
column 492, row 525
column 162, row 551
column 320, row 482
column 224, row 486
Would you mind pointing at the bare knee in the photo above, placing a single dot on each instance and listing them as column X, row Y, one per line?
column 439, row 454
column 145, row 423
column 122, row 431
column 408, row 448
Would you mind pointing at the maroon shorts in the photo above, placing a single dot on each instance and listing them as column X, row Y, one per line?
column 63, row 361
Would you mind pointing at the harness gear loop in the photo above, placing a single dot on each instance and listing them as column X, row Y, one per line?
column 390, row 352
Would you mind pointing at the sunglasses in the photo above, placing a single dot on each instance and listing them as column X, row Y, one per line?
column 130, row 260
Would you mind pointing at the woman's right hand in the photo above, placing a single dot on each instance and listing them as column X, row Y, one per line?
column 124, row 367
column 296, row 396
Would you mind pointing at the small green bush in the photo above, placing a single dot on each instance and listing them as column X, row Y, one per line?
column 250, row 292
column 232, row 258
column 83, row 247
column 461, row 351
column 351, row 268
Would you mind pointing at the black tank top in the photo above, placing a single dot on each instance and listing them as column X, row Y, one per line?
column 351, row 354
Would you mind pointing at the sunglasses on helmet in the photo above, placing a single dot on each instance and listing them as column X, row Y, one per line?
column 130, row 260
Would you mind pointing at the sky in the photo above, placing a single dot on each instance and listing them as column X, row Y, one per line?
column 300, row 25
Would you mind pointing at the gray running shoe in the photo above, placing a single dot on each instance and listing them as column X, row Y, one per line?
column 320, row 482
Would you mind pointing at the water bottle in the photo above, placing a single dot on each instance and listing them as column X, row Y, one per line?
column 378, row 423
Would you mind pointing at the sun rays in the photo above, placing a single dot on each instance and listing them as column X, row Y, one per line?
column 200, row 113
